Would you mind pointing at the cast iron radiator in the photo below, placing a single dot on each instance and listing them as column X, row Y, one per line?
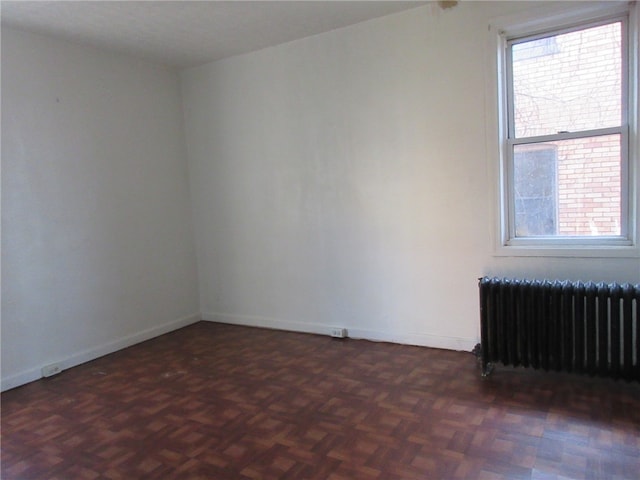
column 564, row 326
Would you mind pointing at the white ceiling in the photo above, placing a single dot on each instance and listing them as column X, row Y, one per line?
column 188, row 33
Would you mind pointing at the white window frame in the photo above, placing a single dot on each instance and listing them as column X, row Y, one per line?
column 537, row 22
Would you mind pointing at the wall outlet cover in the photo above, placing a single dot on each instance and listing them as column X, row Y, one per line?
column 339, row 332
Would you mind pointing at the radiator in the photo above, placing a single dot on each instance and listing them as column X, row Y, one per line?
column 565, row 326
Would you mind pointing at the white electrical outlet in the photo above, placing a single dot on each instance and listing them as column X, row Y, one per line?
column 51, row 370
column 339, row 332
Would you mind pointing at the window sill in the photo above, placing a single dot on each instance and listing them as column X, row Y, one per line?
column 567, row 251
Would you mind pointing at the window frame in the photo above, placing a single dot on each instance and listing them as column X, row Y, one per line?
column 539, row 24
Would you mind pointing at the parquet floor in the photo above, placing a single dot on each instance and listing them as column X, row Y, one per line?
column 216, row 401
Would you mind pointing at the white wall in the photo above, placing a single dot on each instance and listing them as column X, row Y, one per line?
column 344, row 179
column 97, row 243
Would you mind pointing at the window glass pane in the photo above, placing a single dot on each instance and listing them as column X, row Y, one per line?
column 568, row 187
column 568, row 82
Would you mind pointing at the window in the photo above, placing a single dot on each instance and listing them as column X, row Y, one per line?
column 568, row 132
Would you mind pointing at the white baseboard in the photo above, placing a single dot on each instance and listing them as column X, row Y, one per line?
column 99, row 351
column 433, row 341
column 266, row 322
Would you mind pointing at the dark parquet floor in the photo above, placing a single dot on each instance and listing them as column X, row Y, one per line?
column 215, row 401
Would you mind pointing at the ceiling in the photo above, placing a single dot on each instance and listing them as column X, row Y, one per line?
column 189, row 33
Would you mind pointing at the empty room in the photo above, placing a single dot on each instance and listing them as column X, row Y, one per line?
column 320, row 240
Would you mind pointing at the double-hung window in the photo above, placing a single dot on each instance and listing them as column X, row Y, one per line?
column 568, row 132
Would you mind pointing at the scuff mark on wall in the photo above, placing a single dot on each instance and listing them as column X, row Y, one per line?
column 445, row 4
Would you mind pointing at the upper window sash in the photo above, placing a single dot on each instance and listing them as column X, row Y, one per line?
column 512, row 40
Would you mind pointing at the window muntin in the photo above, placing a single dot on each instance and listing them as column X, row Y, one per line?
column 566, row 133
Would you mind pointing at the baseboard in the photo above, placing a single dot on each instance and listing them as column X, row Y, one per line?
column 433, row 341
column 266, row 322
column 99, row 351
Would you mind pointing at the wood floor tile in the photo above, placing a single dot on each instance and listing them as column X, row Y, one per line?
column 215, row 401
